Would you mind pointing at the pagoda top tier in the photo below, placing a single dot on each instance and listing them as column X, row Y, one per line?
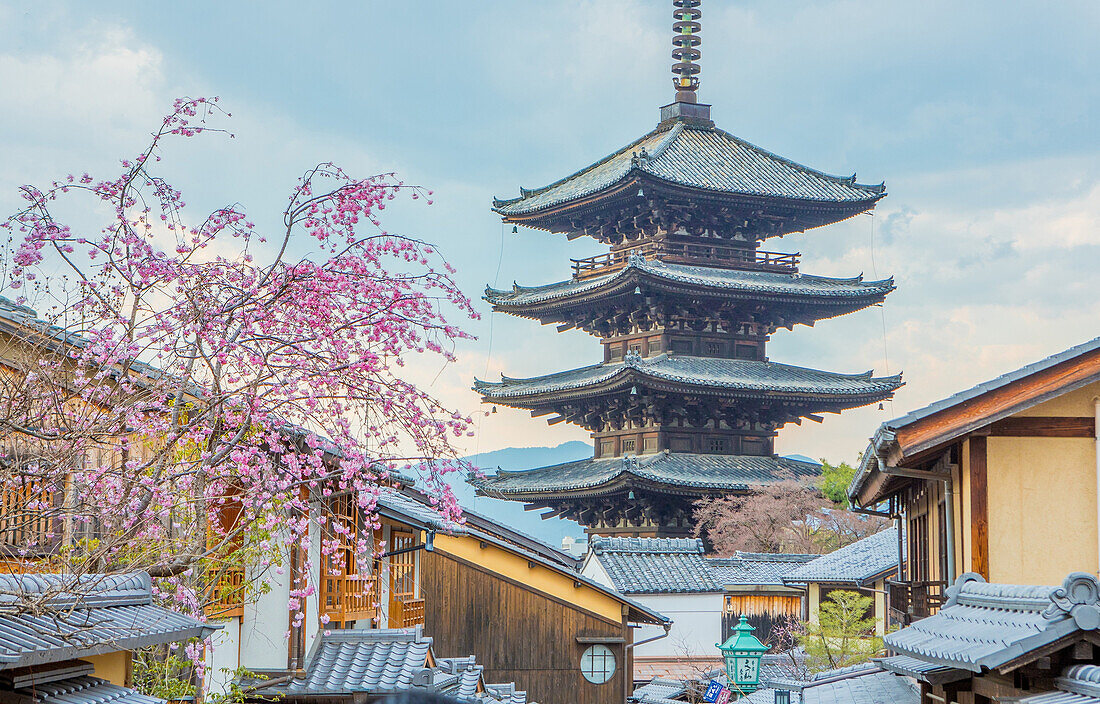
column 687, row 177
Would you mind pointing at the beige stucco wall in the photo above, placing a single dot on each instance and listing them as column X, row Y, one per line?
column 1077, row 403
column 814, row 592
column 880, row 607
column 1042, row 507
column 113, row 667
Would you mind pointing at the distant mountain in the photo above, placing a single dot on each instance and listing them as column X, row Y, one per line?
column 511, row 513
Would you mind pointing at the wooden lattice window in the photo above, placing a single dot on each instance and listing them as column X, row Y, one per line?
column 28, row 510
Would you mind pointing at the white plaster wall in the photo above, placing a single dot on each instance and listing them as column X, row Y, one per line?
column 312, row 624
column 696, row 625
column 266, row 621
column 592, row 569
column 222, row 654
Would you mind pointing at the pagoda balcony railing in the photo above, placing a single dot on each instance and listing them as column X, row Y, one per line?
column 912, row 601
column 688, row 253
column 348, row 597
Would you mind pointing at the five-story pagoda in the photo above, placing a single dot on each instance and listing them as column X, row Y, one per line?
column 685, row 403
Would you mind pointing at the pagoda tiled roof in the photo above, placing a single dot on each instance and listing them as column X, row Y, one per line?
column 699, row 157
column 741, row 375
column 794, row 287
column 673, row 470
column 756, row 568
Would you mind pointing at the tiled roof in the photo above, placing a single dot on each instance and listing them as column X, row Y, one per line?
column 1079, row 684
column 81, row 690
column 747, row 377
column 985, row 625
column 929, row 672
column 724, row 472
column 345, row 662
column 887, row 431
column 858, row 563
column 792, row 287
column 47, row 618
column 655, row 565
column 659, row 690
column 703, row 158
column 859, row 684
column 395, row 504
column 755, row 568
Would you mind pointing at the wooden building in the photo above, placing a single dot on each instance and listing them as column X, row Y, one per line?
column 684, row 402
column 999, row 480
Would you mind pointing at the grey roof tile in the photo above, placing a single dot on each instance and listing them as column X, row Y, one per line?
column 725, row 472
column 655, row 565
column 741, row 375
column 859, row 684
column 721, row 281
column 104, row 614
column 659, row 690
column 755, row 568
column 886, row 431
column 82, row 690
column 857, row 563
column 985, row 625
column 703, row 158
column 395, row 504
column 930, row 672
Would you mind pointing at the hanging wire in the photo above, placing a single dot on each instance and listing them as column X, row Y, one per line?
column 489, row 352
column 881, row 308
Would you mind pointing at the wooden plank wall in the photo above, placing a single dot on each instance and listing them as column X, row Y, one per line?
column 517, row 634
column 763, row 612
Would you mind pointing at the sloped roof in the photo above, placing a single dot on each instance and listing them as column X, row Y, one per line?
column 659, row 690
column 756, row 568
column 395, row 504
column 724, row 282
column 985, row 625
column 655, row 565
column 684, row 470
column 747, row 377
column 345, row 662
column 1079, row 684
column 929, row 672
column 858, row 563
column 697, row 157
column 81, row 690
column 886, row 434
column 49, row 618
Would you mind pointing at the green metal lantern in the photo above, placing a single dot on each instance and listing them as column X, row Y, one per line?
column 742, row 653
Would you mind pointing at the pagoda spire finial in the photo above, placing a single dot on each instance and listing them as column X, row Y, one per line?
column 685, row 42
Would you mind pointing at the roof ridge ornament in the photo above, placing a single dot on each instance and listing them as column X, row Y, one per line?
column 685, row 43
column 636, row 258
column 1078, row 598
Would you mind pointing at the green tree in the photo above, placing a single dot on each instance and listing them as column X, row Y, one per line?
column 835, row 480
column 844, row 633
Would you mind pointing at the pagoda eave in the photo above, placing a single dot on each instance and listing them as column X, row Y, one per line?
column 620, row 291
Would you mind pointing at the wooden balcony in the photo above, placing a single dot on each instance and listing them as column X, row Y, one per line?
column 687, row 253
column 912, row 601
column 227, row 599
column 406, row 612
column 348, row 597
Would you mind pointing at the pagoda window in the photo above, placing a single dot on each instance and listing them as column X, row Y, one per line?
column 752, row 446
column 649, row 444
column 746, row 351
column 607, row 448
column 616, row 352
column 681, row 346
column 717, row 445
column 636, row 348
column 655, row 345
column 629, row 445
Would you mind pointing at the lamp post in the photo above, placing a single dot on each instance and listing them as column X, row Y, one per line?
column 742, row 653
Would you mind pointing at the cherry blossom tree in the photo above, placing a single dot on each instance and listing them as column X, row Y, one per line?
column 785, row 516
column 194, row 385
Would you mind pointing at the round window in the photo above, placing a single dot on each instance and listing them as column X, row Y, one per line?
column 597, row 664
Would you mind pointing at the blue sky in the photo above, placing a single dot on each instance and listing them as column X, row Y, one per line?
column 982, row 118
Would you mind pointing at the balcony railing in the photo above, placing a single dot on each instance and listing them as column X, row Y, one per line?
column 348, row 597
column 912, row 601
column 227, row 600
column 688, row 253
column 406, row 612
